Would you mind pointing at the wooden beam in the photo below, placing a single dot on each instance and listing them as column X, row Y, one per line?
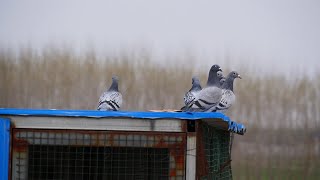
column 119, row 124
column 191, row 156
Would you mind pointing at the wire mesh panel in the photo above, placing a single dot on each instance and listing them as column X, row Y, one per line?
column 214, row 152
column 81, row 155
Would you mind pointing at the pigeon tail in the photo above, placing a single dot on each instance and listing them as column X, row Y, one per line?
column 184, row 108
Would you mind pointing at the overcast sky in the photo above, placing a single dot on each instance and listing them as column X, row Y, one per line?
column 276, row 33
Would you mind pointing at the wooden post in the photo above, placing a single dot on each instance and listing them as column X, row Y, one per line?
column 191, row 156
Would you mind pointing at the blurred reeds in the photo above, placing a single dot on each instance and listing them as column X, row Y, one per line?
column 281, row 113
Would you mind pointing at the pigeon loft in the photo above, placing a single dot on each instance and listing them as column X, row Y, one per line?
column 78, row 144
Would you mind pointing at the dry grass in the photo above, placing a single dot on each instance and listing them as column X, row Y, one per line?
column 282, row 115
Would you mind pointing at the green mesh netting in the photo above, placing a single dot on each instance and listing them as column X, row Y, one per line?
column 217, row 152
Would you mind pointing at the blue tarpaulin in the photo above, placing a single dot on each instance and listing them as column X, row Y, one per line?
column 233, row 126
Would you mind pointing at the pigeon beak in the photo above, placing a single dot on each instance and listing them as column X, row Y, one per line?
column 239, row 76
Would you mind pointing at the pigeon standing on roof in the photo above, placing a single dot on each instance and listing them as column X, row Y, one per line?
column 228, row 97
column 190, row 96
column 112, row 98
column 209, row 96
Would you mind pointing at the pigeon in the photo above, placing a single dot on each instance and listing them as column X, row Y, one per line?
column 222, row 80
column 228, row 97
column 214, row 76
column 208, row 97
column 190, row 96
column 220, row 77
column 111, row 100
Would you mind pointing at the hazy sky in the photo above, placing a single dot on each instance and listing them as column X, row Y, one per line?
column 276, row 33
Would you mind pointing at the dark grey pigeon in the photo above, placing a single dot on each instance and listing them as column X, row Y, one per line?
column 214, row 75
column 190, row 96
column 111, row 100
column 228, row 97
column 209, row 96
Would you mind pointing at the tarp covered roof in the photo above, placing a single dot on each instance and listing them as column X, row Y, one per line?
column 232, row 126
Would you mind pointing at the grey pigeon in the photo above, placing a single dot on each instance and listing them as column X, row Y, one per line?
column 222, row 80
column 220, row 77
column 228, row 97
column 112, row 98
column 214, row 75
column 210, row 96
column 190, row 96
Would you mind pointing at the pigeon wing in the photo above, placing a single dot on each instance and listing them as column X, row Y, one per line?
column 110, row 101
column 227, row 100
column 189, row 98
column 207, row 98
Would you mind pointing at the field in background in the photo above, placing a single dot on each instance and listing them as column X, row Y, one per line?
column 282, row 114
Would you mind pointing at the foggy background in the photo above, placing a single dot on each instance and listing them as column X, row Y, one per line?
column 270, row 35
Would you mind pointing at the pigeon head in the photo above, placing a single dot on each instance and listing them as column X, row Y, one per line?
column 228, row 84
column 215, row 68
column 213, row 77
column 195, row 80
column 234, row 75
column 222, row 80
column 220, row 75
column 114, row 85
column 115, row 78
column 196, row 83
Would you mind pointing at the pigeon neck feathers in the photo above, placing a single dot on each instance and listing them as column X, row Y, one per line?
column 213, row 79
column 114, row 86
column 228, row 84
column 195, row 85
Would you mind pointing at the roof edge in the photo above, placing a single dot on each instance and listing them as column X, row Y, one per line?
column 233, row 126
